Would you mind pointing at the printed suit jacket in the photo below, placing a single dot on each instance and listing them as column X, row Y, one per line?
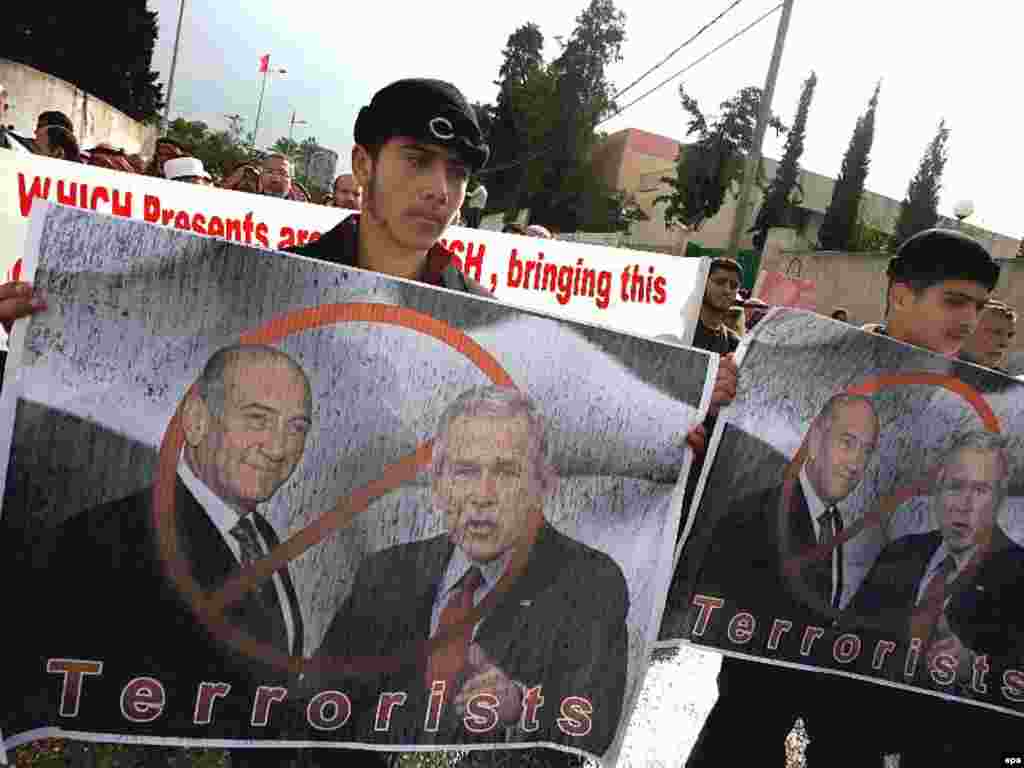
column 984, row 611
column 745, row 567
column 561, row 625
column 110, row 583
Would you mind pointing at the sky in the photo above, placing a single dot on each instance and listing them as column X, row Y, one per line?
column 933, row 65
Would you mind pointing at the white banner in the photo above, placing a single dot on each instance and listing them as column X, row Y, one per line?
column 643, row 293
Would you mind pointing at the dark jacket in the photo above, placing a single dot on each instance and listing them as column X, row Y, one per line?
column 984, row 610
column 745, row 566
column 108, row 581
column 341, row 246
column 561, row 625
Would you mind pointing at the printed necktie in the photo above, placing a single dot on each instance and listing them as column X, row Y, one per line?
column 244, row 532
column 830, row 526
column 933, row 602
column 448, row 659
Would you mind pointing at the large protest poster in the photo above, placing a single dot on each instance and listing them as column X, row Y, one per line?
column 136, row 437
column 644, row 293
column 919, row 581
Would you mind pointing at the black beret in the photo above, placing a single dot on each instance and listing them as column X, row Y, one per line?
column 943, row 254
column 431, row 110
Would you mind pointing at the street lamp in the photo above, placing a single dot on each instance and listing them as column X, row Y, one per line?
column 962, row 210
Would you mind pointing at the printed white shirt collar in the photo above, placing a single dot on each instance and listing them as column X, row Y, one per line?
column 459, row 563
column 221, row 515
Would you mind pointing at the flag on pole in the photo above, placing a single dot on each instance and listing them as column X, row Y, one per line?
column 264, row 62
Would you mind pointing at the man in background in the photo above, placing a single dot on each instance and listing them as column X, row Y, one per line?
column 189, row 170
column 276, row 175
column 166, row 149
column 347, row 193
column 58, row 142
column 990, row 343
column 476, row 201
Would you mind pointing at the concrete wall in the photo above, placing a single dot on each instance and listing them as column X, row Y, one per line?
column 856, row 281
column 95, row 121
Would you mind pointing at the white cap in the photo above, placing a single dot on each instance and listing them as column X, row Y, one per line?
column 536, row 230
column 185, row 166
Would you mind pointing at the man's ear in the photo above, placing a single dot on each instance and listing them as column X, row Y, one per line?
column 814, row 435
column 196, row 419
column 362, row 165
column 901, row 296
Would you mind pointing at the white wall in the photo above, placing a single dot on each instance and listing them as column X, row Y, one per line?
column 95, row 121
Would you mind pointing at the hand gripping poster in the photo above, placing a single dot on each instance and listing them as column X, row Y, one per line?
column 254, row 499
column 863, row 516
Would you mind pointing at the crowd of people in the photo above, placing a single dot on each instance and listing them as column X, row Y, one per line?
column 409, row 183
column 266, row 173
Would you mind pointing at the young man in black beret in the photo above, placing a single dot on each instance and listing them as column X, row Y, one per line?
column 938, row 283
column 416, row 144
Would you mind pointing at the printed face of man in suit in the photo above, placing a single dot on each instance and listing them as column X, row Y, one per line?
column 487, row 488
column 968, row 497
column 245, row 450
column 840, row 449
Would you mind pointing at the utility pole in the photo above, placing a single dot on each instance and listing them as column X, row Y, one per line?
column 754, row 160
column 174, row 66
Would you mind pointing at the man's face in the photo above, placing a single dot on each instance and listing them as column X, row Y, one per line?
column 165, row 152
column 841, row 451
column 486, row 487
column 942, row 317
column 413, row 190
column 42, row 139
column 347, row 193
column 721, row 288
column 967, row 496
column 248, row 453
column 991, row 340
column 276, row 177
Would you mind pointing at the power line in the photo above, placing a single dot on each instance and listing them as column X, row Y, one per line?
column 693, row 37
column 541, row 152
column 687, row 68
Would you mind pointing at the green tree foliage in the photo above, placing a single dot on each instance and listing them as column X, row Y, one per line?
column 707, row 169
column 514, row 120
column 920, row 208
column 583, row 96
column 841, row 216
column 543, row 125
column 104, row 48
column 220, row 151
column 869, row 235
column 778, row 201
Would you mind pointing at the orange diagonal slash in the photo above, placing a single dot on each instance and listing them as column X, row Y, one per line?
column 210, row 608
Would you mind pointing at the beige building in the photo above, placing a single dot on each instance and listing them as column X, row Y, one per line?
column 635, row 161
